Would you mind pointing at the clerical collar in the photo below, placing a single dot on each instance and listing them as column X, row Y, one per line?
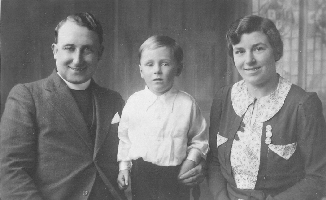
column 82, row 86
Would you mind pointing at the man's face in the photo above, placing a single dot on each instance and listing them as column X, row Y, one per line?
column 77, row 52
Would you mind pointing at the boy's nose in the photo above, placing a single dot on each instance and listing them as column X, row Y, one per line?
column 157, row 69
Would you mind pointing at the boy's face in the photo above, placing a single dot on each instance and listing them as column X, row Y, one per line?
column 158, row 68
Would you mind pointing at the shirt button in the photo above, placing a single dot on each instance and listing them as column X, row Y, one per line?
column 85, row 192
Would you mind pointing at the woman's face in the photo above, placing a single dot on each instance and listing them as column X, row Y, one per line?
column 254, row 59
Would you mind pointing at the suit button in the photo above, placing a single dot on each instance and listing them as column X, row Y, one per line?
column 85, row 192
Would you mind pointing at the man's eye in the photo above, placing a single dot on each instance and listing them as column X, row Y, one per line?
column 88, row 50
column 69, row 48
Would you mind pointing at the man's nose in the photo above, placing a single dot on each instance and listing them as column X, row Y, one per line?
column 77, row 57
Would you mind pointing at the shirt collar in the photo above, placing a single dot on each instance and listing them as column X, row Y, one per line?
column 82, row 86
column 267, row 107
column 167, row 98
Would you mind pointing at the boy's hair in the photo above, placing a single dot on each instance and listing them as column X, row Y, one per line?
column 157, row 41
column 84, row 19
column 252, row 23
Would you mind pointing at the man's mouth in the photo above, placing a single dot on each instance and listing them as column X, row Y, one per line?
column 78, row 69
column 252, row 69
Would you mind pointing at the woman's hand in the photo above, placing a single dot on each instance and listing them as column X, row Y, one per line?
column 123, row 179
column 195, row 175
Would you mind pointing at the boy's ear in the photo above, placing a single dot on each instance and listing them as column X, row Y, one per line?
column 179, row 70
column 140, row 71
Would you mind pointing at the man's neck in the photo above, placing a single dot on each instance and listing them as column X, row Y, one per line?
column 82, row 86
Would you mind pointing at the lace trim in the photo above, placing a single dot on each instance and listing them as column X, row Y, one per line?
column 267, row 106
column 284, row 151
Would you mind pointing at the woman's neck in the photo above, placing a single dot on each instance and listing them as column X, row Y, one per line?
column 258, row 91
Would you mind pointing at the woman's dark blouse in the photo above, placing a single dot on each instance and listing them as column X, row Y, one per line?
column 300, row 121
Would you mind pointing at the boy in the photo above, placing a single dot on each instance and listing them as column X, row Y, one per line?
column 161, row 130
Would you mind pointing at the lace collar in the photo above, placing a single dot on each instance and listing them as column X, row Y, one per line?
column 267, row 106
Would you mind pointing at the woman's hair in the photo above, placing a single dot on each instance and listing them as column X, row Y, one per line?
column 156, row 41
column 252, row 23
column 82, row 19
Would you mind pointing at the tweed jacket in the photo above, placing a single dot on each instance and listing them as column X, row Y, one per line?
column 46, row 151
column 299, row 121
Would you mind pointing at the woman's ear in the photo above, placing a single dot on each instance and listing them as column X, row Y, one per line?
column 179, row 70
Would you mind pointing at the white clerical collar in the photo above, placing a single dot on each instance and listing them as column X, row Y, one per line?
column 82, row 86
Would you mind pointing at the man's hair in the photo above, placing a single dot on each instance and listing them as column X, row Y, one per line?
column 84, row 19
column 253, row 23
column 157, row 41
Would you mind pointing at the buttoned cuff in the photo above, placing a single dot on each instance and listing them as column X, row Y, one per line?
column 194, row 155
column 125, row 165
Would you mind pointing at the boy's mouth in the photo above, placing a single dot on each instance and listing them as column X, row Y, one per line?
column 158, row 79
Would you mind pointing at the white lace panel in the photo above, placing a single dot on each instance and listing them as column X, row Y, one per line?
column 284, row 151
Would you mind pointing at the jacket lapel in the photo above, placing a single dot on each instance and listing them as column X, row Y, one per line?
column 63, row 102
column 104, row 113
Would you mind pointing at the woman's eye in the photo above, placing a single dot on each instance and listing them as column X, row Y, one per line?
column 259, row 48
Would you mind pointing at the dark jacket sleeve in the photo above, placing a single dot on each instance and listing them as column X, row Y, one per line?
column 311, row 144
column 18, row 143
column 216, row 180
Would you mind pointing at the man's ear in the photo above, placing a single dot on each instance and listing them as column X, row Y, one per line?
column 54, row 50
column 100, row 53
column 179, row 70
column 140, row 71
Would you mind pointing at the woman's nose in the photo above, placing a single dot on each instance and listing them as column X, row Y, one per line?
column 250, row 59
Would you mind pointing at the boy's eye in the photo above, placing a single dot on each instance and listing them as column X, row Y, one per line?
column 165, row 64
column 238, row 51
column 149, row 64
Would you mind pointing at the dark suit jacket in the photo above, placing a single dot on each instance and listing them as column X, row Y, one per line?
column 45, row 148
column 300, row 120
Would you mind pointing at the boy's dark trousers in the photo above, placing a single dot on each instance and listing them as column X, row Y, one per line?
column 153, row 182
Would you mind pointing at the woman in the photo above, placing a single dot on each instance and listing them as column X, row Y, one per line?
column 267, row 136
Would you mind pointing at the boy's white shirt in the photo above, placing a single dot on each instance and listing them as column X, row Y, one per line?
column 164, row 130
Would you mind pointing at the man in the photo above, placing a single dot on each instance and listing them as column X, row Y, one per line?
column 59, row 135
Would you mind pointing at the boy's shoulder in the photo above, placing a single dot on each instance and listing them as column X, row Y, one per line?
column 186, row 96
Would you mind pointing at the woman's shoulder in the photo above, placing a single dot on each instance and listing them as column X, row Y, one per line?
column 300, row 96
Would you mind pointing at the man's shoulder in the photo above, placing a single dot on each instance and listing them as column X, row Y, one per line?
column 106, row 91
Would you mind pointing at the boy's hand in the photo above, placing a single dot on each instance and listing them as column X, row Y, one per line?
column 186, row 166
column 194, row 176
column 123, row 179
